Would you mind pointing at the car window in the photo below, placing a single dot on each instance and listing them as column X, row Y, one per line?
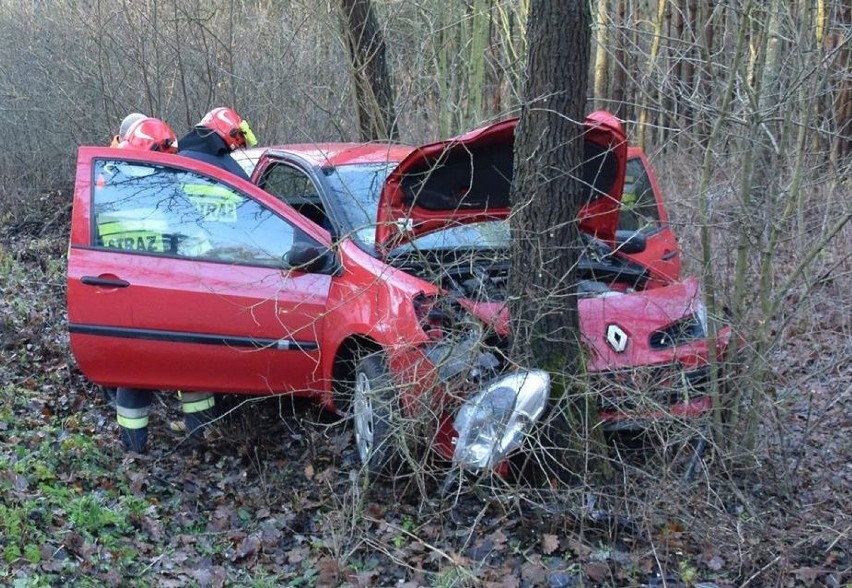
column 294, row 187
column 158, row 210
column 638, row 210
column 288, row 183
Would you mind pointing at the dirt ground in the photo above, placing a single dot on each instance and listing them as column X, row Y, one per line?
column 275, row 497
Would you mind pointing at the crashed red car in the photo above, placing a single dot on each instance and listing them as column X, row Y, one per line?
column 372, row 277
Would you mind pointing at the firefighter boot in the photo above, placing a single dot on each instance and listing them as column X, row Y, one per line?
column 197, row 412
column 131, row 409
column 134, row 439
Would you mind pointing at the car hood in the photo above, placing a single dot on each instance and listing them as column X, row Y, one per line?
column 467, row 179
column 637, row 317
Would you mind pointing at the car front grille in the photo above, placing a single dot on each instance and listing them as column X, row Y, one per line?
column 648, row 388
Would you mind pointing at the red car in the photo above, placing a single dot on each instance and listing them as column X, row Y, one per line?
column 372, row 277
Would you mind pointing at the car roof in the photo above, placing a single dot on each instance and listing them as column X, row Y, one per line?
column 327, row 154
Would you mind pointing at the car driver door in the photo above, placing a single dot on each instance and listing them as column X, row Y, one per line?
column 177, row 279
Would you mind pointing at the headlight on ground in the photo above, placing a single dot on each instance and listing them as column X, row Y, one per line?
column 492, row 423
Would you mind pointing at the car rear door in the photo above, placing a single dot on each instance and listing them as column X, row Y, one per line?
column 642, row 209
column 175, row 279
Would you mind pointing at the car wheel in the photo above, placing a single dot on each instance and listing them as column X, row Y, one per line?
column 374, row 413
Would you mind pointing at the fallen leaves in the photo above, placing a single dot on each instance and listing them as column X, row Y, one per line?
column 248, row 547
column 549, row 544
column 277, row 498
column 597, row 572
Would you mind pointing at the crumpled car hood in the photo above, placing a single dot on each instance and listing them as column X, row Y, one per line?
column 467, row 179
column 637, row 315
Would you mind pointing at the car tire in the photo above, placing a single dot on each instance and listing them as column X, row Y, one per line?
column 375, row 413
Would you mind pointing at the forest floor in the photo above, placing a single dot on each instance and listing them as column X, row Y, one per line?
column 275, row 497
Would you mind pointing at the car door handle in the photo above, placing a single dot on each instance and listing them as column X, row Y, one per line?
column 109, row 282
column 667, row 255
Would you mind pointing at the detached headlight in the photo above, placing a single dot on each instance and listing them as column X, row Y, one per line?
column 492, row 423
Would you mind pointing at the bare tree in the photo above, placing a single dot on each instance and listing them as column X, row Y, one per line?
column 373, row 87
column 547, row 197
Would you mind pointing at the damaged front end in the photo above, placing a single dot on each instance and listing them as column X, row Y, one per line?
column 495, row 408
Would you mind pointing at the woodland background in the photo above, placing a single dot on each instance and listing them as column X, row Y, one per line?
column 745, row 108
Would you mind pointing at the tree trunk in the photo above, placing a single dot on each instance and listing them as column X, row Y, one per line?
column 652, row 74
column 840, row 48
column 619, row 85
column 690, row 32
column 373, row 87
column 706, row 75
column 479, row 18
column 546, row 199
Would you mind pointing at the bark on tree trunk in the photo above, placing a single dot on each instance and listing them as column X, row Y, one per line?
column 373, row 86
column 706, row 75
column 601, row 47
column 619, row 92
column 546, row 199
column 651, row 87
column 546, row 196
column 688, row 82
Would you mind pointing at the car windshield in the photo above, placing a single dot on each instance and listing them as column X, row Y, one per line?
column 357, row 189
column 476, row 236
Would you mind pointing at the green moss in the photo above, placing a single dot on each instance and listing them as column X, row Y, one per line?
column 573, row 420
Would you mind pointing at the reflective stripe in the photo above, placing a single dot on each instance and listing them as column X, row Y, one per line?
column 132, row 423
column 196, row 401
column 251, row 140
column 132, row 418
column 210, row 190
column 132, row 413
column 213, row 202
column 132, row 230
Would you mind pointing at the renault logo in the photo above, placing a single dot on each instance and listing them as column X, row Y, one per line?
column 616, row 337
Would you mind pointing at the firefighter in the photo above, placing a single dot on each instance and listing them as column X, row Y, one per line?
column 220, row 132
column 126, row 122
column 133, row 405
column 125, row 126
column 149, row 134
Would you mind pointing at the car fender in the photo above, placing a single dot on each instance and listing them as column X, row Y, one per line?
column 373, row 301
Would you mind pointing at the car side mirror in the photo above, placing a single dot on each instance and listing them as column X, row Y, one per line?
column 630, row 241
column 307, row 258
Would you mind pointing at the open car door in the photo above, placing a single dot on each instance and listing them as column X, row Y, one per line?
column 177, row 279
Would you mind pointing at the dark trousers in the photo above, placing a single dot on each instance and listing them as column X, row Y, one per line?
column 133, row 407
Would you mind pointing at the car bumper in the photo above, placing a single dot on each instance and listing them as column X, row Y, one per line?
column 680, row 395
column 483, row 423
